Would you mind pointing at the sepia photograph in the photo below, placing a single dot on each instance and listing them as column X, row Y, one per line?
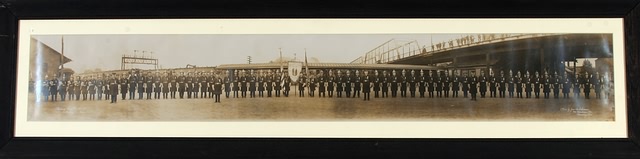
column 504, row 77
column 322, row 78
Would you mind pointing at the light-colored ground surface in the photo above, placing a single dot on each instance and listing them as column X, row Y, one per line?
column 295, row 108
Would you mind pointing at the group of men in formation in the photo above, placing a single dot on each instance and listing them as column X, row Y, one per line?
column 350, row 82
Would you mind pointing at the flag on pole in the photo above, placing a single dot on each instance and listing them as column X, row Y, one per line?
column 306, row 65
column 281, row 70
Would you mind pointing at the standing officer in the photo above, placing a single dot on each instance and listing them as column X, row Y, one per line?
column 85, row 88
column 236, row 83
column 376, row 83
column 586, row 82
column 356, row 84
column 124, row 85
column 312, row 84
column 321, row 84
column 512, row 81
column 91, row 87
column 528, row 84
column 503, row 84
column 385, row 84
column 413, row 80
column 455, row 84
column 431, row 81
column 536, row 84
column 403, row 84
column 519, row 85
column 182, row 80
column 331, row 83
column 141, row 85
column 77, row 88
column 195, row 88
column 340, row 84
column 465, row 85
column 446, row 81
column 566, row 86
column 63, row 87
column 113, row 87
column 269, row 83
column 347, row 84
column 106, row 80
column 394, row 83
column 366, row 85
column 301, row 84
column 261, row 83
column 156, row 86
column 278, row 83
column 576, row 86
column 133, row 81
column 53, row 88
column 253, row 79
column 165, row 85
column 439, row 83
column 557, row 81
column 483, row 84
column 286, row 83
column 422, row 84
column 473, row 86
column 597, row 84
column 71, row 87
column 227, row 84
column 546, row 83
column 188, row 84
column 492, row 84
column 217, row 88
column 149, row 87
column 204, row 84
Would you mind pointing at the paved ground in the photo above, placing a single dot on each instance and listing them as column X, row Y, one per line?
column 319, row 109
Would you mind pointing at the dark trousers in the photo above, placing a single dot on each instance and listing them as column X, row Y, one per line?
column 260, row 93
column 519, row 94
column 132, row 95
column 330, row 93
column 173, row 94
column 252, row 94
column 501, row 94
column 216, row 97
column 394, row 94
column 492, row 94
column 375, row 94
column 455, row 94
column 510, row 94
column 446, row 93
column 484, row 93
column 149, row 95
column 226, row 94
column 464, row 93
column 413, row 94
column 243, row 94
column 367, row 96
column 277, row 93
column 140, row 95
column 63, row 96
column 124, row 95
column 356, row 92
column 339, row 94
column 528, row 94
column 165, row 95
column 300, row 93
column 235, row 94
column 156, row 95
column 473, row 96
column 430, row 94
column 321, row 94
column 439, row 94
column 385, row 94
column 546, row 95
column 537, row 94
column 114, row 98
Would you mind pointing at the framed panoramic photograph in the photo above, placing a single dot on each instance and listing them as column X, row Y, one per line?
column 290, row 86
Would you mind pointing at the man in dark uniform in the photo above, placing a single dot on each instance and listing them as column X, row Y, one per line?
column 357, row 81
column 511, row 83
column 204, row 85
column 113, row 87
column 431, row 80
column 493, row 83
column 269, row 83
column 312, row 85
column 107, row 92
column 78, row 88
column 124, row 85
column 331, row 83
column 63, row 88
column 394, row 83
column 528, row 84
column 165, row 85
column 133, row 81
column 141, row 85
column 340, row 84
column 173, row 85
column 277, row 85
column 439, row 81
column 519, row 85
column 196, row 84
column 413, row 80
column 403, row 84
column 253, row 80
column 385, row 84
column 348, row 81
column 366, row 85
column 473, row 86
column 557, row 81
column 261, row 80
column 321, row 84
column 182, row 84
column 502, row 80
column 446, row 81
column 566, row 86
column 483, row 84
column 188, row 84
column 91, row 86
column 156, row 86
column 286, row 84
column 586, row 82
column 597, row 84
column 44, row 88
column 537, row 82
column 149, row 85
column 377, row 79
column 227, row 84
column 217, row 88
column 71, row 87
column 53, row 88
column 236, row 83
column 576, row 86
column 85, row 87
column 546, row 83
column 244, row 82
column 422, row 84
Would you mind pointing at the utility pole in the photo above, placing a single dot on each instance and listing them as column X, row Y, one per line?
column 249, row 59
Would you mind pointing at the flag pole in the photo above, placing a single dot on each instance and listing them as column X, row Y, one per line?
column 281, row 69
column 306, row 65
column 62, row 55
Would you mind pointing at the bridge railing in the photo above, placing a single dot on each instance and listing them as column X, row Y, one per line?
column 458, row 43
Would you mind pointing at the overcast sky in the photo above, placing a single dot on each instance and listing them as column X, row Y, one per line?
column 176, row 51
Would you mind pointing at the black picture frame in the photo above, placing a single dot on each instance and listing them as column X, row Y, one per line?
column 14, row 147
